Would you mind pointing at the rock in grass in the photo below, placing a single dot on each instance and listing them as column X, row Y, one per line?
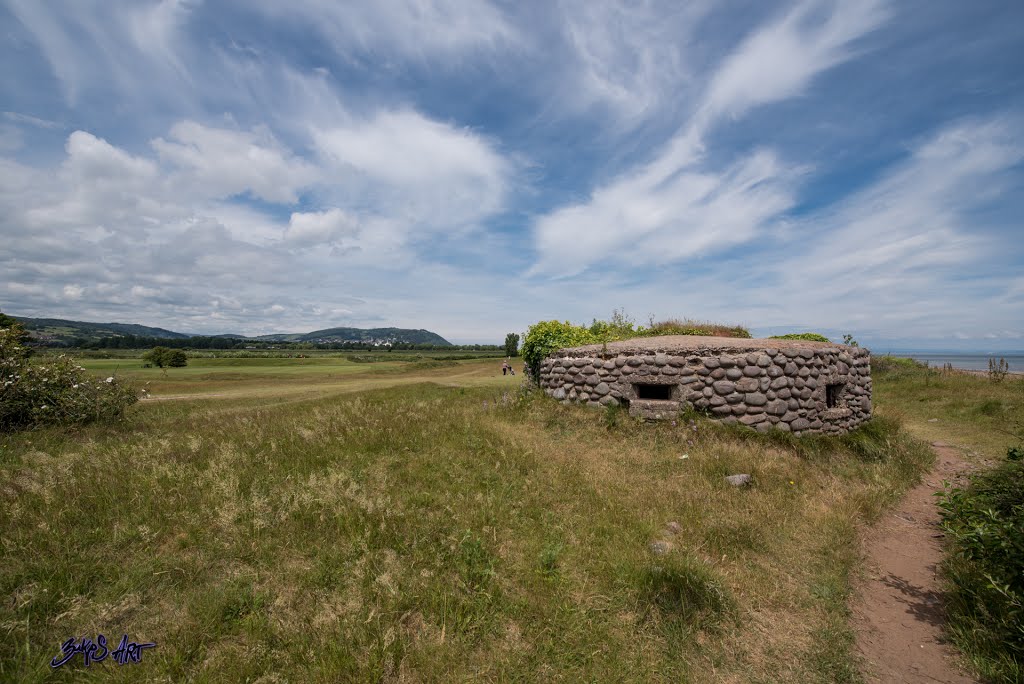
column 673, row 527
column 659, row 548
column 741, row 480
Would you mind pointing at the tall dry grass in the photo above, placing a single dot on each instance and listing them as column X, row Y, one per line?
column 428, row 533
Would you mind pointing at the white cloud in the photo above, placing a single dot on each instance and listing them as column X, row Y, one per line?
column 11, row 138
column 160, row 233
column 630, row 57
column 433, row 173
column 95, row 44
column 905, row 232
column 416, row 29
column 94, row 159
column 220, row 162
column 671, row 208
column 900, row 258
column 632, row 223
column 73, row 291
column 780, row 60
column 320, row 227
column 31, row 120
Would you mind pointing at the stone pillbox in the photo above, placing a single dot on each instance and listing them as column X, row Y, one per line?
column 791, row 385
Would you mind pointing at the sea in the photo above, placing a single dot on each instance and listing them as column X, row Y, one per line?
column 962, row 360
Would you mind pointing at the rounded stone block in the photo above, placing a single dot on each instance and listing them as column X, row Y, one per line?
column 724, row 387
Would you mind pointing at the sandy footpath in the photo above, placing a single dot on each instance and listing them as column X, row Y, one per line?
column 898, row 614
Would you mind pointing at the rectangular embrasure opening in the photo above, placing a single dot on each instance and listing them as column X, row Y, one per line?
column 654, row 392
column 832, row 394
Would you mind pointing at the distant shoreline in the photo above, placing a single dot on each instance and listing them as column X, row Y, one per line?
column 969, row 371
column 976, row 362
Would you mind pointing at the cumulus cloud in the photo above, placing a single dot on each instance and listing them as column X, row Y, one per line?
column 320, row 227
column 219, row 162
column 165, row 232
column 439, row 174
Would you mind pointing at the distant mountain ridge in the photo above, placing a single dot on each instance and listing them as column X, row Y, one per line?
column 60, row 331
column 367, row 335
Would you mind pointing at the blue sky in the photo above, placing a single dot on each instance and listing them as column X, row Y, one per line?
column 256, row 166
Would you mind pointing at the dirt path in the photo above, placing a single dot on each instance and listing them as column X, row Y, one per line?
column 899, row 616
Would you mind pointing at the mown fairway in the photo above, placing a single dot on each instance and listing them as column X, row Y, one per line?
column 338, row 521
column 278, row 378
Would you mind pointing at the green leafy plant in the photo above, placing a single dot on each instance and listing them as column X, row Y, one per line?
column 810, row 337
column 849, row 341
column 548, row 336
column 984, row 523
column 550, row 556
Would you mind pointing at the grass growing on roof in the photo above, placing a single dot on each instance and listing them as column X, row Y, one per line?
column 809, row 336
column 546, row 337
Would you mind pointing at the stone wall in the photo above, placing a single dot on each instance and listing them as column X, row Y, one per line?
column 793, row 386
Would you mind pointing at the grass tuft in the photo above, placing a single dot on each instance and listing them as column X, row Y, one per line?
column 685, row 589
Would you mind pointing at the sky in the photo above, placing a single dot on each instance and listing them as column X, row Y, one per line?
column 472, row 167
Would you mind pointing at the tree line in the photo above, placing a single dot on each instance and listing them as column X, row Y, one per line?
column 201, row 342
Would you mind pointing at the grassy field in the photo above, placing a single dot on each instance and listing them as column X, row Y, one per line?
column 357, row 356
column 293, row 378
column 963, row 409
column 335, row 521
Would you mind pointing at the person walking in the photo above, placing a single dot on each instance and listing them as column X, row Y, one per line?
column 504, row 367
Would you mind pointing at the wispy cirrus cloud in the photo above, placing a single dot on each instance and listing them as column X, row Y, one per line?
column 413, row 29
column 92, row 43
column 677, row 205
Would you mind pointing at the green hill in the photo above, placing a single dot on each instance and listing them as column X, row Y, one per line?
column 62, row 332
column 58, row 330
column 367, row 335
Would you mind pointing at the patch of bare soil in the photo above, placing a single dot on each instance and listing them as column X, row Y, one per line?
column 898, row 614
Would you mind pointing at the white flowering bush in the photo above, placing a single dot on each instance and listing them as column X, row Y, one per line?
column 53, row 391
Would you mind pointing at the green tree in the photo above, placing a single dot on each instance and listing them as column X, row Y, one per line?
column 162, row 357
column 512, row 344
column 176, row 358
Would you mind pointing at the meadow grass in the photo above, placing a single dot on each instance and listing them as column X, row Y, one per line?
column 968, row 410
column 242, row 378
column 445, row 527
